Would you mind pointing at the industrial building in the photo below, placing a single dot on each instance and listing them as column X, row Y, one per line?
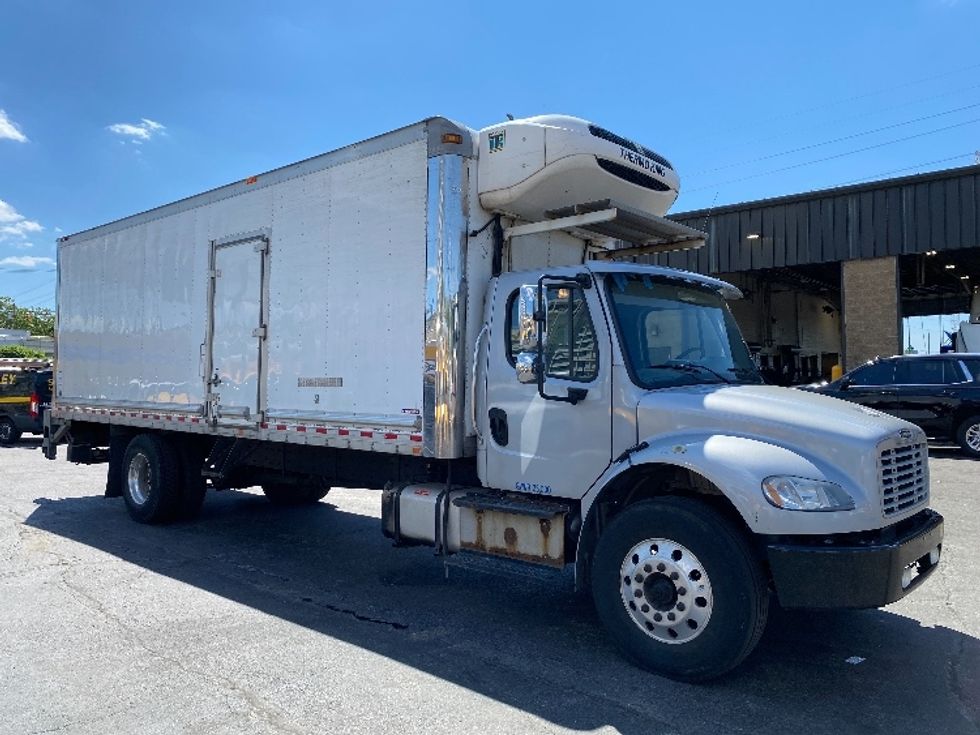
column 828, row 275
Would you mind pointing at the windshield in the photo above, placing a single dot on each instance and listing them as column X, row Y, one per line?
column 677, row 334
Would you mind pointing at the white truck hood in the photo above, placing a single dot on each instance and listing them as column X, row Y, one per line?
column 764, row 411
column 834, row 434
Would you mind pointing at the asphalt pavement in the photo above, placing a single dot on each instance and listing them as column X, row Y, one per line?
column 257, row 619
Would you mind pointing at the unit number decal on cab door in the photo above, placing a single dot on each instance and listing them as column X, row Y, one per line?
column 533, row 487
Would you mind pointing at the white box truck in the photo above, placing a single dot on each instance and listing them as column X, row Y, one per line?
column 451, row 316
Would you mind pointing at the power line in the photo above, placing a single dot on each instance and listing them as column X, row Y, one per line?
column 848, row 118
column 836, row 156
column 840, row 139
column 865, row 95
column 901, row 170
column 45, row 284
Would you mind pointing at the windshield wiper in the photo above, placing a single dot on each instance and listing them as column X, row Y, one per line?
column 690, row 367
column 743, row 372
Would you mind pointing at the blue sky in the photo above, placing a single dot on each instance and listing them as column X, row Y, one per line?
column 110, row 108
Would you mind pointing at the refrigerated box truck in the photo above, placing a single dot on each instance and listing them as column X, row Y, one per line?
column 453, row 316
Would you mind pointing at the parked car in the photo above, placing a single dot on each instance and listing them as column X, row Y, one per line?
column 939, row 393
column 25, row 392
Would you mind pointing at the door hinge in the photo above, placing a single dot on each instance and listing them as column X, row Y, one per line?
column 262, row 246
column 214, row 273
column 260, row 332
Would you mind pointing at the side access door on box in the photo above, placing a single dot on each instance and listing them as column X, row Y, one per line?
column 237, row 325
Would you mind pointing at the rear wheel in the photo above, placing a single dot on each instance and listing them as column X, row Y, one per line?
column 300, row 494
column 679, row 589
column 151, row 479
column 968, row 436
column 8, row 432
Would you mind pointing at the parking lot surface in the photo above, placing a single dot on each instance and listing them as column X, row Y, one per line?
column 257, row 619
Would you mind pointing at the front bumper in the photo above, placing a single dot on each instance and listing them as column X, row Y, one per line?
column 857, row 570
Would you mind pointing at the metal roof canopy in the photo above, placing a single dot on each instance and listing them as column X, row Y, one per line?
column 648, row 233
column 935, row 211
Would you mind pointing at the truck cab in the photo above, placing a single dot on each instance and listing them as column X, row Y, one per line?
column 627, row 391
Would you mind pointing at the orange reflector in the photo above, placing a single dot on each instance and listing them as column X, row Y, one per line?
column 452, row 138
column 251, row 180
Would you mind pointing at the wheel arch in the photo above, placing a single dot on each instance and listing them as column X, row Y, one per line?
column 643, row 482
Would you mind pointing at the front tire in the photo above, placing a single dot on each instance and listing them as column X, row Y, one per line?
column 151, row 480
column 679, row 588
column 8, row 432
column 968, row 436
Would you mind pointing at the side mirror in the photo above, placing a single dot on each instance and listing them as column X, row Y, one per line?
column 524, row 364
column 527, row 323
column 844, row 384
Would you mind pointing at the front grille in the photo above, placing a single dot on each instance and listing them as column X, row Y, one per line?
column 629, row 145
column 632, row 175
column 904, row 478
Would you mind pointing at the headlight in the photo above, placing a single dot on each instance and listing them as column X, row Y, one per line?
column 799, row 493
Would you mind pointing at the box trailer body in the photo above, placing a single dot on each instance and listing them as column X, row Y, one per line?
column 446, row 314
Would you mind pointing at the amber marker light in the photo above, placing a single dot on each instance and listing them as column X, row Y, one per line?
column 454, row 138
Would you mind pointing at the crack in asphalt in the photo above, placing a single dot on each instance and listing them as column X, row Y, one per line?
column 354, row 614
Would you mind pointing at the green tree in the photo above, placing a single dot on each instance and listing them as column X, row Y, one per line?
column 35, row 319
column 20, row 351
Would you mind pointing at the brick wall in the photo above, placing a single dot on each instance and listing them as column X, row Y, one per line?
column 870, row 295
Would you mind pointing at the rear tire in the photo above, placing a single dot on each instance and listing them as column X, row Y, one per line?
column 8, row 432
column 151, row 479
column 679, row 589
column 307, row 493
column 968, row 436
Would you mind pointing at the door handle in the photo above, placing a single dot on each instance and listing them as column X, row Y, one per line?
column 498, row 426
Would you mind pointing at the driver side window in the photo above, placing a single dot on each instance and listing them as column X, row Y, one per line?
column 572, row 352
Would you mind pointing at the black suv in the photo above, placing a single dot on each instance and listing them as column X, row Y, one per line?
column 25, row 393
column 939, row 393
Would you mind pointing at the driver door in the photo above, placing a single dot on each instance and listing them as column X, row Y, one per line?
column 543, row 446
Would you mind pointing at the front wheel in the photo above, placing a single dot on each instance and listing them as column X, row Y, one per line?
column 679, row 589
column 968, row 436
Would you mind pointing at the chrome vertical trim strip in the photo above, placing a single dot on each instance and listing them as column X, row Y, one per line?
column 443, row 394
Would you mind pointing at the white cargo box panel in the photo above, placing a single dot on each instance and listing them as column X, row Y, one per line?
column 315, row 293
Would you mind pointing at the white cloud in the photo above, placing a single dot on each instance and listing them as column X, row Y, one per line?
column 139, row 133
column 25, row 261
column 15, row 225
column 9, row 130
column 24, row 245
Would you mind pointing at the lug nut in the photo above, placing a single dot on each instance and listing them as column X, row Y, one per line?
column 671, row 616
column 658, row 617
column 661, row 567
column 680, row 606
column 674, row 576
column 682, row 591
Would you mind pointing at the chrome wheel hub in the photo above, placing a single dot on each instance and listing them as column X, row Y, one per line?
column 138, row 479
column 666, row 590
column 973, row 437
